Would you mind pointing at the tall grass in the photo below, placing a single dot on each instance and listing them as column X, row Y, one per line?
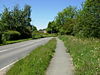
column 36, row 62
column 85, row 54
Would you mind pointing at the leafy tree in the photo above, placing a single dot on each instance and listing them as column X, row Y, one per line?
column 25, row 28
column 6, row 18
column 84, row 22
column 34, row 28
column 2, row 27
column 16, row 17
column 89, row 19
column 17, row 20
column 64, row 21
column 52, row 28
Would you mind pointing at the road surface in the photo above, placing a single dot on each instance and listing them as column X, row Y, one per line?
column 13, row 52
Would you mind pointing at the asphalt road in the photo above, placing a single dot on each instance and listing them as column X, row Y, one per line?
column 13, row 52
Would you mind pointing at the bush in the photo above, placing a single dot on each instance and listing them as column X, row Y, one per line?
column 12, row 35
column 26, row 32
column 4, row 38
column 0, row 38
column 9, row 35
column 37, row 34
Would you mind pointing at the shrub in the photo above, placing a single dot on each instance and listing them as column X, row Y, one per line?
column 12, row 35
column 37, row 34
column 0, row 38
column 9, row 35
column 26, row 32
column 4, row 38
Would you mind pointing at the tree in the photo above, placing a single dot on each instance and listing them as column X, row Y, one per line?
column 52, row 28
column 89, row 19
column 69, row 19
column 17, row 20
column 16, row 17
column 6, row 18
column 26, row 28
column 34, row 28
column 84, row 22
column 64, row 21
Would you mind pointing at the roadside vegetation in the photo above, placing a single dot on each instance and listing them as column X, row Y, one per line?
column 37, row 34
column 83, row 41
column 15, row 24
column 85, row 53
column 84, row 22
column 16, row 41
column 36, row 62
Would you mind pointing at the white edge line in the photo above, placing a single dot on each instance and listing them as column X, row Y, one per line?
column 3, row 50
column 8, row 65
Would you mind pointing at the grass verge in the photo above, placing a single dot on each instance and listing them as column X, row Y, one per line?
column 16, row 41
column 85, row 54
column 36, row 62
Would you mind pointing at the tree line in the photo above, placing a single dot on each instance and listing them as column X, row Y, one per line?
column 15, row 24
column 84, row 22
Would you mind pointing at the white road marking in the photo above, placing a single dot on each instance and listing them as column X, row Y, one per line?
column 8, row 65
column 3, row 50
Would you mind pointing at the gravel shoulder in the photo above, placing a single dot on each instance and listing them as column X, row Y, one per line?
column 61, row 64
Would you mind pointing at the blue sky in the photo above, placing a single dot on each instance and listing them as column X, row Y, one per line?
column 43, row 11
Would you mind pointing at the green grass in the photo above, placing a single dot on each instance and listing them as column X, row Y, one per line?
column 36, row 62
column 85, row 54
column 16, row 41
column 42, row 35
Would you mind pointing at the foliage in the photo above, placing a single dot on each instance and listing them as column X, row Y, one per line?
column 4, row 38
column 0, row 38
column 34, row 28
column 6, row 18
column 52, row 28
column 2, row 27
column 64, row 21
column 89, row 19
column 8, row 35
column 85, row 54
column 36, row 62
column 15, row 24
column 16, row 41
column 13, row 35
column 84, row 22
column 37, row 34
column 17, row 20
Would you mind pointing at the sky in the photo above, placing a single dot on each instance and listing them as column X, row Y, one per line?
column 43, row 11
